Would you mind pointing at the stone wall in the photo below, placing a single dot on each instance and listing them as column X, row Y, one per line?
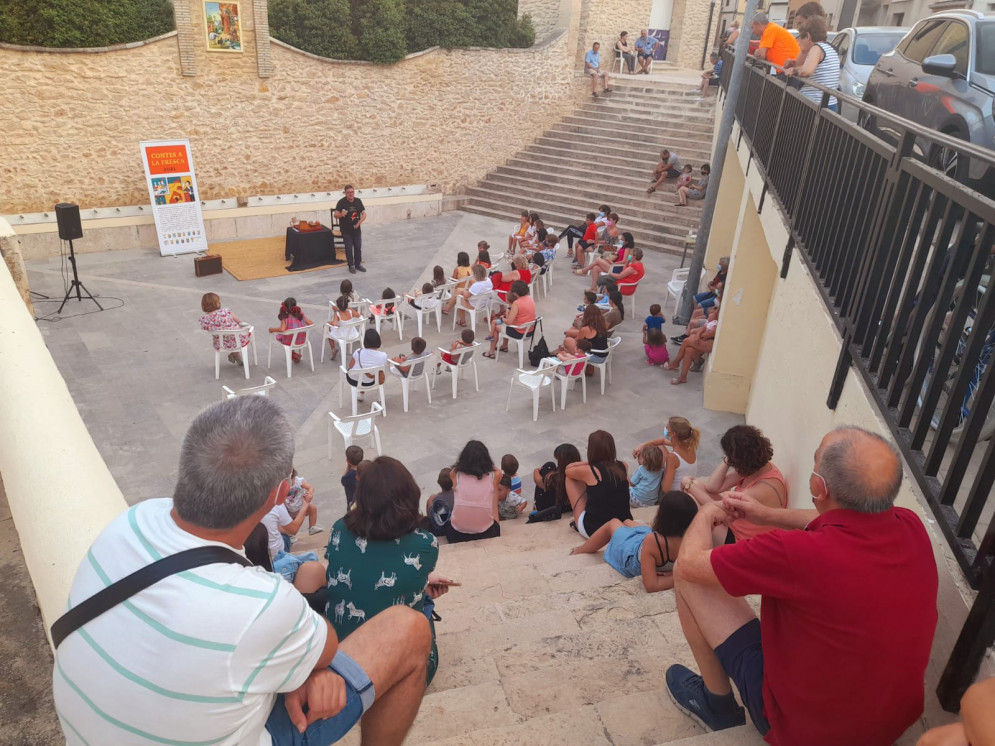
column 73, row 120
column 10, row 251
column 688, row 32
column 545, row 15
column 602, row 20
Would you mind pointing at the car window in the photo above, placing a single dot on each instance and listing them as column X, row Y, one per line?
column 842, row 45
column 954, row 40
column 868, row 48
column 916, row 47
column 986, row 48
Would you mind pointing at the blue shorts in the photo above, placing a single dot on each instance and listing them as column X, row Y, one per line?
column 286, row 564
column 359, row 698
column 742, row 657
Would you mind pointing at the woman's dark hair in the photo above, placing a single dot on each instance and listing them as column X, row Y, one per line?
column 386, row 506
column 519, row 288
column 590, row 297
column 677, row 510
column 541, row 234
column 655, row 338
column 371, row 340
column 565, row 454
column 462, row 259
column 747, row 449
column 538, row 259
column 602, row 452
column 616, row 298
column 628, row 242
column 474, row 460
column 257, row 548
column 706, row 168
column 484, row 256
column 595, row 319
column 342, row 302
column 289, row 307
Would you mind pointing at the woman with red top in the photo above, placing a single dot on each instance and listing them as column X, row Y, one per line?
column 746, row 468
column 519, row 271
column 521, row 311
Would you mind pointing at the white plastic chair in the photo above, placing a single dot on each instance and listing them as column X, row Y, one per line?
column 534, row 283
column 263, row 390
column 676, row 286
column 359, row 374
column 546, row 277
column 422, row 369
column 430, row 305
column 605, row 366
column 218, row 340
column 464, row 358
column 567, row 373
column 628, row 290
column 377, row 309
column 445, row 291
column 301, row 339
column 484, row 301
column 345, row 344
column 529, row 330
column 535, row 381
column 357, row 428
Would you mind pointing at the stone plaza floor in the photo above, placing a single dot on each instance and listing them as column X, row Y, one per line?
column 140, row 372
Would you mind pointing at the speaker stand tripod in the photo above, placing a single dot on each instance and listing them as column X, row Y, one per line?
column 76, row 284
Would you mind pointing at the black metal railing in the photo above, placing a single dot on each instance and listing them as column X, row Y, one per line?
column 902, row 255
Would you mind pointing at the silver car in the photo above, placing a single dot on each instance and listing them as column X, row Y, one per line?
column 859, row 50
column 942, row 76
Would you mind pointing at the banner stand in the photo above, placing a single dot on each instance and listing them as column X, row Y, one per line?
column 169, row 175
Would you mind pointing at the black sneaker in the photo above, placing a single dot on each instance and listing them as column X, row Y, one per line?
column 678, row 340
column 687, row 689
column 360, row 267
column 352, row 270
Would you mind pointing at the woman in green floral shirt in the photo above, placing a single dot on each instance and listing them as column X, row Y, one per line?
column 377, row 555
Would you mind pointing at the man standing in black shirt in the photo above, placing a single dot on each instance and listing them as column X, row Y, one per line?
column 351, row 214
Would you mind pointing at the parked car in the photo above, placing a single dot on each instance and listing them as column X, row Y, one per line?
column 942, row 76
column 859, row 50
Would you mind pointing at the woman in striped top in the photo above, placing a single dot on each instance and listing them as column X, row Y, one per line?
column 822, row 64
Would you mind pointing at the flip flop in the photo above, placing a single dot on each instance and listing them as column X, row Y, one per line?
column 488, row 355
column 503, row 349
column 676, row 381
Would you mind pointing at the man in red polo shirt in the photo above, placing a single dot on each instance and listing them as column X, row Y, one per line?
column 847, row 615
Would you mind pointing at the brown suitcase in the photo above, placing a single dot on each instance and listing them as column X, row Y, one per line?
column 207, row 265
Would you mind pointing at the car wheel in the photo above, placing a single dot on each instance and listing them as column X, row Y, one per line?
column 948, row 160
column 867, row 121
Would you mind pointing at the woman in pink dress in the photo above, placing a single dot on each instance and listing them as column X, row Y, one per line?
column 475, row 498
column 215, row 319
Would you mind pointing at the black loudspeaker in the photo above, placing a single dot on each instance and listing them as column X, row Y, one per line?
column 67, row 216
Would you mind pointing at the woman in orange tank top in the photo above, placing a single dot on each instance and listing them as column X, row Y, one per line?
column 746, row 468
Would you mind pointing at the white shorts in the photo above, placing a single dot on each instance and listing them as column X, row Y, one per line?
column 580, row 525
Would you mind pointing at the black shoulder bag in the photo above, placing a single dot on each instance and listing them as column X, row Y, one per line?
column 138, row 581
column 538, row 350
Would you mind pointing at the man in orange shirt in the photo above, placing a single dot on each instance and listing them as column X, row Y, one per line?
column 777, row 45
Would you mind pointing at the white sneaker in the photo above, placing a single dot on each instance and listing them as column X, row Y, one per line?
column 314, row 530
column 293, row 540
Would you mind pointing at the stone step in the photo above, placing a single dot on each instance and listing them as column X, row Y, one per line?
column 604, row 163
column 638, row 204
column 662, row 130
column 567, row 166
column 545, row 200
column 670, row 101
column 605, row 117
column 614, row 139
column 591, row 147
column 649, row 87
column 744, row 735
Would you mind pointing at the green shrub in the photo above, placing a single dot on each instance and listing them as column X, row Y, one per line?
column 381, row 37
column 83, row 23
column 383, row 31
column 322, row 27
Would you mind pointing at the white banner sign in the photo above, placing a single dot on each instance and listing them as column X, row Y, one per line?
column 175, row 198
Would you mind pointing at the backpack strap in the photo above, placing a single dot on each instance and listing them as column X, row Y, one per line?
column 138, row 581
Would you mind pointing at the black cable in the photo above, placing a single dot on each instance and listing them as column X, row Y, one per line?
column 55, row 317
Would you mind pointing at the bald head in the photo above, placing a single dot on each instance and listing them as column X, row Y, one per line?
column 862, row 470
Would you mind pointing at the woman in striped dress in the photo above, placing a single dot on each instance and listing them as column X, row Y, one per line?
column 822, row 64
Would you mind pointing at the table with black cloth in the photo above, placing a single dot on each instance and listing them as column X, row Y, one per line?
column 310, row 249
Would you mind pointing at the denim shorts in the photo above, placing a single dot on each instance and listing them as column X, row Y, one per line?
column 742, row 657
column 286, row 564
column 359, row 698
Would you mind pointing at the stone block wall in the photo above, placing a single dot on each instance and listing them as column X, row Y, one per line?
column 689, row 29
column 544, row 13
column 602, row 20
column 10, row 252
column 73, row 119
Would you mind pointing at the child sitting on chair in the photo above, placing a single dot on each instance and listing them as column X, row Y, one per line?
column 465, row 340
column 291, row 317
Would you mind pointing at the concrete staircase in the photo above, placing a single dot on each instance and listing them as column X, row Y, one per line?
column 603, row 152
column 539, row 647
